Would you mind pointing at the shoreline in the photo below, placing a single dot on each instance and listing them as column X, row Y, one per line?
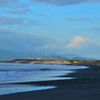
column 87, row 63
column 85, row 87
column 56, row 62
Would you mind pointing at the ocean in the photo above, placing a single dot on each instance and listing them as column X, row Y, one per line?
column 13, row 73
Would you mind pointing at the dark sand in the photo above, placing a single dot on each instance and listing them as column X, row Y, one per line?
column 85, row 87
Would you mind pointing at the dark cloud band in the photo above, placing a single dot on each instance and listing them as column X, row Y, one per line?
column 12, row 3
column 78, row 19
column 67, row 2
column 16, row 21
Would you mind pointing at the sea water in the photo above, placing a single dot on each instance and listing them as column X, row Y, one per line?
column 11, row 73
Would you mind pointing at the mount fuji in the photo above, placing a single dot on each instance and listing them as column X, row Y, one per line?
column 79, row 46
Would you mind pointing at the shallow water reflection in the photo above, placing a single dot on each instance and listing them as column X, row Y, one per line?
column 14, row 88
column 20, row 73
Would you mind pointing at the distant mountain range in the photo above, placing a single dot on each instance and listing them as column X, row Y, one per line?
column 50, row 58
column 62, row 58
column 8, row 53
column 78, row 48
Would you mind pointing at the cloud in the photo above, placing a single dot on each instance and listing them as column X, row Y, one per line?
column 16, row 21
column 12, row 3
column 96, row 28
column 34, row 22
column 67, row 2
column 25, row 11
column 20, row 4
column 22, row 42
column 78, row 19
column 11, row 21
column 96, row 23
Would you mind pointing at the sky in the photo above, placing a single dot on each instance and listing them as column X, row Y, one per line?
column 27, row 25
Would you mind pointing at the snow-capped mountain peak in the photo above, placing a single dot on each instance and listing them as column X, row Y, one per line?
column 78, row 39
column 79, row 46
column 77, row 42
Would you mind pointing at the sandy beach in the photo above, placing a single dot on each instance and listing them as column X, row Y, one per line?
column 85, row 87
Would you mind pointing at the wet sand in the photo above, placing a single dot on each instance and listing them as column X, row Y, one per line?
column 85, row 87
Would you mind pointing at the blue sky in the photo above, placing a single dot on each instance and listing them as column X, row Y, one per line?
column 26, row 25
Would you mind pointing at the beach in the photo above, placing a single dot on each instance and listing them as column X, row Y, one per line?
column 86, row 86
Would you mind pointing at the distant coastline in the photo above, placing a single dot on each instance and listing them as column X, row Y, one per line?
column 62, row 62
